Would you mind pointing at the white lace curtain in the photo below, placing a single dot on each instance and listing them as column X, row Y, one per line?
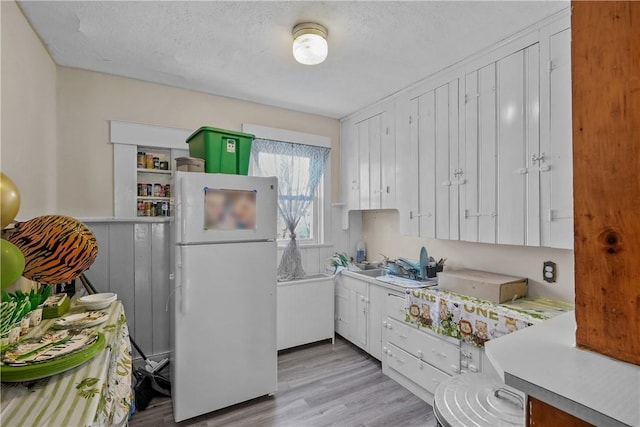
column 299, row 169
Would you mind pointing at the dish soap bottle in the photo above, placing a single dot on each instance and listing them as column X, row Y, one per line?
column 361, row 253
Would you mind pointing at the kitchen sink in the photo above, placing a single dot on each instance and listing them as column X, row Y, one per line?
column 375, row 272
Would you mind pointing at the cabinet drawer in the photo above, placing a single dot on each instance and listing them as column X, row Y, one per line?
column 418, row 371
column 424, row 346
column 395, row 307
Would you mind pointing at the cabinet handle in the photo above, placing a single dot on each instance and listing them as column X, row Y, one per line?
column 388, row 189
column 510, row 396
column 419, row 353
column 446, row 183
column 535, row 158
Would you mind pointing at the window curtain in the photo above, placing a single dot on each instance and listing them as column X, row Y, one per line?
column 299, row 169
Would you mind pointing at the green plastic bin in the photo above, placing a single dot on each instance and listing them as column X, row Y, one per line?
column 223, row 151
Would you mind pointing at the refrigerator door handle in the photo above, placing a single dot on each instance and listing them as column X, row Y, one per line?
column 184, row 304
column 184, row 284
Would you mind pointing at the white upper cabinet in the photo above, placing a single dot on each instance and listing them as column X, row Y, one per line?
column 555, row 144
column 481, row 151
column 349, row 166
column 478, row 198
column 434, row 136
column 369, row 159
column 518, row 148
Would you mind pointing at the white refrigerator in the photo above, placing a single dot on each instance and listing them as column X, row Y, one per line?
column 224, row 312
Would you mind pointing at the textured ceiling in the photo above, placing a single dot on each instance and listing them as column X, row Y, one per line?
column 243, row 49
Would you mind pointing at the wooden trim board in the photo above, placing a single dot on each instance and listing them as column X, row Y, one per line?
column 606, row 155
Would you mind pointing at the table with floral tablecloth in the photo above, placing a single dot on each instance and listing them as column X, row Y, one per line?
column 96, row 393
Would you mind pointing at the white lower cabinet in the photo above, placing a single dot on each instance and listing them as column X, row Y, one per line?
column 361, row 308
column 422, row 373
column 419, row 359
column 351, row 310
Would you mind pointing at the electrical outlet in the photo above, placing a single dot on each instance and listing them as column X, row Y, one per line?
column 549, row 271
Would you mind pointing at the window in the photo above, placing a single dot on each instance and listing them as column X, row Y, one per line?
column 299, row 170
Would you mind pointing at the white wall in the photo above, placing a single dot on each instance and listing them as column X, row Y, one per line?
column 88, row 100
column 28, row 120
column 380, row 233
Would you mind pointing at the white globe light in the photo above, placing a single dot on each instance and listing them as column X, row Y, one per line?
column 310, row 44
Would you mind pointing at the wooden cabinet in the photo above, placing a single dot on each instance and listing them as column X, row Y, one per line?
column 369, row 159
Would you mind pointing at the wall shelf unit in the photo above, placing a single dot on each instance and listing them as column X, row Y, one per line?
column 132, row 195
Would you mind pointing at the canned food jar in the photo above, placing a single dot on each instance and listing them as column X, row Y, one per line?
column 141, row 160
column 156, row 162
column 148, row 207
column 165, row 208
column 140, row 190
column 167, row 190
column 157, row 190
column 164, row 166
column 149, row 190
column 149, row 161
column 140, row 208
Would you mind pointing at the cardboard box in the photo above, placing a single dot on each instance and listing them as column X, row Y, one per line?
column 493, row 287
column 189, row 164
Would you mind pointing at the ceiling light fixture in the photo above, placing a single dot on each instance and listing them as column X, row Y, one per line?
column 310, row 43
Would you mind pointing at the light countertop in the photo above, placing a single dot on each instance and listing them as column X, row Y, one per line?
column 543, row 361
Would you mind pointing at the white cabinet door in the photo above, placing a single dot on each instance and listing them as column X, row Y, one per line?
column 352, row 311
column 361, row 321
column 518, row 141
column 446, row 151
column 377, row 314
column 425, row 131
column 408, row 183
column 363, row 158
column 375, row 142
column 349, row 166
column 478, row 198
column 556, row 149
column 434, row 138
column 342, row 310
column 388, row 164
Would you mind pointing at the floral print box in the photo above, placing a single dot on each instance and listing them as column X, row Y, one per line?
column 474, row 320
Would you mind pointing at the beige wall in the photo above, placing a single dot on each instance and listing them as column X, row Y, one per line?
column 380, row 233
column 88, row 100
column 28, row 118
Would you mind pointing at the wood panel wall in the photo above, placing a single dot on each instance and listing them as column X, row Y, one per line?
column 606, row 148
column 134, row 262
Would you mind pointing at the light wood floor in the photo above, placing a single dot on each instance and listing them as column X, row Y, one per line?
column 318, row 385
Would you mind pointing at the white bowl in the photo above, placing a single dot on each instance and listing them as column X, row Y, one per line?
column 97, row 301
